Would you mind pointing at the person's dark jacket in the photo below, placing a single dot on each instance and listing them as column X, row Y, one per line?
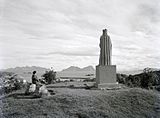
column 34, row 79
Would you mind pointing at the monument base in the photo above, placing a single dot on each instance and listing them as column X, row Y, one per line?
column 109, row 86
column 106, row 77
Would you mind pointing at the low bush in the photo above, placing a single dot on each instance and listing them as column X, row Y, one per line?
column 49, row 76
column 148, row 79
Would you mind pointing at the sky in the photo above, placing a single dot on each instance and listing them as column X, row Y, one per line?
column 63, row 33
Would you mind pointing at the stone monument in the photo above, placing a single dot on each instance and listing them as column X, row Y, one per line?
column 105, row 72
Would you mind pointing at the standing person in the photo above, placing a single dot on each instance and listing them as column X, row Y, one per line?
column 34, row 78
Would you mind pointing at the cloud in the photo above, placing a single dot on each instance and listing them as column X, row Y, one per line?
column 146, row 17
column 64, row 33
column 79, row 53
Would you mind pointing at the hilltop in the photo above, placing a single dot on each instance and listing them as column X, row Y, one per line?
column 74, row 68
column 74, row 71
column 80, row 103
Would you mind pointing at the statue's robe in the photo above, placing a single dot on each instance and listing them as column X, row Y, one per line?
column 105, row 50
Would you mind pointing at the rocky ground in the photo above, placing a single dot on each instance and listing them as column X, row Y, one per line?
column 77, row 102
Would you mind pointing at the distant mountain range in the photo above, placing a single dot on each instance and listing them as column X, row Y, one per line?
column 138, row 71
column 26, row 72
column 71, row 71
column 74, row 68
column 130, row 72
column 26, row 69
column 77, row 72
column 30, row 69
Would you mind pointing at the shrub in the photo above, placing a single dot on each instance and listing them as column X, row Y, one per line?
column 17, row 85
column 49, row 76
column 147, row 79
column 121, row 78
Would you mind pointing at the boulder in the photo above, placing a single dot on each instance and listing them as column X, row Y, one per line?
column 43, row 91
column 32, row 88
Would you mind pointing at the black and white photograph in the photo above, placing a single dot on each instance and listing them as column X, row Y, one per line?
column 79, row 58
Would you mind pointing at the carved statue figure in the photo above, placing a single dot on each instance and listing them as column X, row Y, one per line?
column 105, row 49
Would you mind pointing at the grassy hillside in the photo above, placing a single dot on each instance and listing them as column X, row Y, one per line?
column 79, row 103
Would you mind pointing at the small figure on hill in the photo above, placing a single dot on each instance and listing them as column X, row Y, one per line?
column 34, row 78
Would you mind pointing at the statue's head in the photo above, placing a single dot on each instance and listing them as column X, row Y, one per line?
column 105, row 32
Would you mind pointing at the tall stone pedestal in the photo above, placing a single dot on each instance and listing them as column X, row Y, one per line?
column 106, row 76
